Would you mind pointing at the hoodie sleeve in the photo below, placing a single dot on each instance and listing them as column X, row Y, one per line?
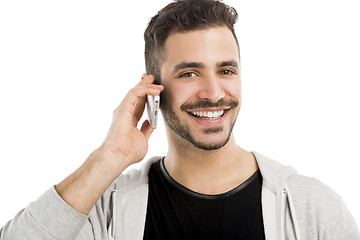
column 51, row 218
column 48, row 217
column 346, row 228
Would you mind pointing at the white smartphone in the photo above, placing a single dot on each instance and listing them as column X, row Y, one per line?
column 153, row 103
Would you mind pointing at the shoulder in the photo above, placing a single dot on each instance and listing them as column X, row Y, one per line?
column 316, row 205
column 135, row 180
column 313, row 198
column 311, row 189
column 127, row 181
column 320, row 209
column 302, row 188
column 135, row 177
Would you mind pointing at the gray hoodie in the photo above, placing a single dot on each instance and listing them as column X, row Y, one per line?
column 294, row 207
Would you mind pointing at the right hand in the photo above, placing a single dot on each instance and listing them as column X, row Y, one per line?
column 124, row 139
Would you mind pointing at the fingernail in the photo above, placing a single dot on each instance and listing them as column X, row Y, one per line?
column 144, row 75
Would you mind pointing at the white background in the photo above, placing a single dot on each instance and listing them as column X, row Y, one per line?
column 66, row 65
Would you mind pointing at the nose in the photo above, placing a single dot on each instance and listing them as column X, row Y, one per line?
column 211, row 89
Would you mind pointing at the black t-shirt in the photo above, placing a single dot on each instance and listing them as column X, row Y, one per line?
column 176, row 212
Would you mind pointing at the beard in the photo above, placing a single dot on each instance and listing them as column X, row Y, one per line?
column 183, row 130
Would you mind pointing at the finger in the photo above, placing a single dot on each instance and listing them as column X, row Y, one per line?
column 138, row 93
column 146, row 129
column 145, row 75
column 146, row 79
column 139, row 109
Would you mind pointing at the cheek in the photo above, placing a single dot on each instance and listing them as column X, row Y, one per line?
column 176, row 94
column 233, row 89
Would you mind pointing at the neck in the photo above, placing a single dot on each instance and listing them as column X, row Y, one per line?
column 209, row 172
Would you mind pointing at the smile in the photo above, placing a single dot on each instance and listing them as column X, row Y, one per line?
column 209, row 115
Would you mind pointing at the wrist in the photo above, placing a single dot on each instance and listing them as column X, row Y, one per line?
column 117, row 162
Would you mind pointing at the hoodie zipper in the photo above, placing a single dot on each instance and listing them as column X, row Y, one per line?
column 293, row 213
column 280, row 221
column 113, row 219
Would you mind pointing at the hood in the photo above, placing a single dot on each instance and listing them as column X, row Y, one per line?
column 276, row 198
column 275, row 175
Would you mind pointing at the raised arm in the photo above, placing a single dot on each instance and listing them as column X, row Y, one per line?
column 123, row 146
column 64, row 209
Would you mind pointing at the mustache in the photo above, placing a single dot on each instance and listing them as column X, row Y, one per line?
column 208, row 104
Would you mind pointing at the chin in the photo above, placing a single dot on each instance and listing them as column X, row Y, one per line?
column 210, row 147
column 211, row 142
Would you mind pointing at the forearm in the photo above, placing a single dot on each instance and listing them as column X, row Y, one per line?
column 48, row 217
column 61, row 212
column 84, row 187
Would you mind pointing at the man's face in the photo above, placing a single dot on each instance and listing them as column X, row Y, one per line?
column 202, row 95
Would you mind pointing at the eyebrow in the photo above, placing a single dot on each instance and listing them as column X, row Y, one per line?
column 185, row 65
column 231, row 63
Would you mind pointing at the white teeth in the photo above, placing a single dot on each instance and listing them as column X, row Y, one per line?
column 208, row 115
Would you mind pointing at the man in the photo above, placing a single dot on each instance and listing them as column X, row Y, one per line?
column 206, row 187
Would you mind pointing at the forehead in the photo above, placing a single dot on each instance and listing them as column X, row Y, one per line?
column 207, row 46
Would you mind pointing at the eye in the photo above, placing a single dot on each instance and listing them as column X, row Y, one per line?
column 187, row 75
column 227, row 72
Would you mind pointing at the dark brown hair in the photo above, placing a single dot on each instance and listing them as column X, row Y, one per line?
column 183, row 16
